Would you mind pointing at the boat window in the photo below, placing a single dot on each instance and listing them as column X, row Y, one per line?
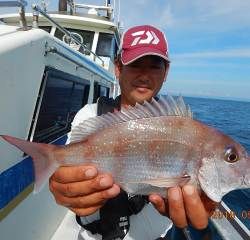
column 115, row 50
column 79, row 99
column 46, row 28
column 83, row 36
column 104, row 45
column 61, row 98
column 100, row 90
column 54, row 110
column 104, row 91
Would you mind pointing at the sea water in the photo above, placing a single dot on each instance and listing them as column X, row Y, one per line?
column 232, row 118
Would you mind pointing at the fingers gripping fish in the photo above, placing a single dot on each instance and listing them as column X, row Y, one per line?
column 146, row 149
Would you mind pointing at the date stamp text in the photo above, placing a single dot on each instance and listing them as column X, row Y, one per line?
column 220, row 214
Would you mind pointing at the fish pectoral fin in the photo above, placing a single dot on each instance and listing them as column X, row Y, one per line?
column 165, row 182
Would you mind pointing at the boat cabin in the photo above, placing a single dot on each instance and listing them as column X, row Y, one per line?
column 51, row 65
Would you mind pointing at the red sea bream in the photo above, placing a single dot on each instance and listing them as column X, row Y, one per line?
column 147, row 149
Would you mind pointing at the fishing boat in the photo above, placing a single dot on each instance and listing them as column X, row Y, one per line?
column 51, row 65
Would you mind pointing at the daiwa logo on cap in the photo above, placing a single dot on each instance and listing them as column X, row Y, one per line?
column 151, row 35
column 141, row 41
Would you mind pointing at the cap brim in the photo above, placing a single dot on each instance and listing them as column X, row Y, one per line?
column 132, row 55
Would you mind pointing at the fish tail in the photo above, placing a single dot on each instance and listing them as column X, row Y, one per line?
column 44, row 167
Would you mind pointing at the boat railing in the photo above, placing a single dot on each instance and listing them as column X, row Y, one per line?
column 108, row 8
column 69, row 36
column 20, row 4
column 53, row 49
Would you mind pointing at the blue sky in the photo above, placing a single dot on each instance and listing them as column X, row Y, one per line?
column 209, row 42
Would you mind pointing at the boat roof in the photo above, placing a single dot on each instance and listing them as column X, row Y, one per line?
column 78, row 18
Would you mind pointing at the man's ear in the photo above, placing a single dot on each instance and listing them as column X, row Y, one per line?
column 166, row 73
column 117, row 68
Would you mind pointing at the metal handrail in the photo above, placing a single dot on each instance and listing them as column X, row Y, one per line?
column 20, row 4
column 53, row 49
column 37, row 10
column 74, row 5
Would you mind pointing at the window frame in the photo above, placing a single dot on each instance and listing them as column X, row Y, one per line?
column 114, row 45
column 42, row 27
column 97, row 87
column 52, row 72
column 111, row 46
column 74, row 30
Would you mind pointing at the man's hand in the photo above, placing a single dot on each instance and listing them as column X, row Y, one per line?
column 185, row 206
column 81, row 189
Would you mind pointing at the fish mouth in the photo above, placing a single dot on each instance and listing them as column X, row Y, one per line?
column 247, row 180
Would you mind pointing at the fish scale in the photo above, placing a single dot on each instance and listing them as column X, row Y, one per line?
column 147, row 151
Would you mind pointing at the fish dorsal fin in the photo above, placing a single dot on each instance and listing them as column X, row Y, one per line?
column 174, row 105
column 162, row 107
column 182, row 106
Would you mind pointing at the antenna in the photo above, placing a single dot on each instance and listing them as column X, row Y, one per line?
column 114, row 12
column 43, row 4
column 118, row 23
column 72, row 6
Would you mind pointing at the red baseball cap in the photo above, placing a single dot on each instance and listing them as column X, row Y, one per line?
column 140, row 41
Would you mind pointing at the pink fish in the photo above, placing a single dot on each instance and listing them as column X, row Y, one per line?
column 146, row 149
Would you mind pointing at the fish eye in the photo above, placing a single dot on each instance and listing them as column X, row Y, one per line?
column 231, row 155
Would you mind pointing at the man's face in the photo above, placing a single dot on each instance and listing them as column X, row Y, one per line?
column 141, row 80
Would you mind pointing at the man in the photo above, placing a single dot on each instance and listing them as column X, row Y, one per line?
column 142, row 67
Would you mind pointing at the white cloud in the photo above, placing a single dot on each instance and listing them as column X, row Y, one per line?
column 183, row 63
column 145, row 12
column 187, row 92
column 142, row 2
column 201, row 15
column 214, row 15
column 206, row 94
column 225, row 53
column 165, row 19
column 209, row 82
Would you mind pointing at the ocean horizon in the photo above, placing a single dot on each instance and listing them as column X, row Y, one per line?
column 175, row 95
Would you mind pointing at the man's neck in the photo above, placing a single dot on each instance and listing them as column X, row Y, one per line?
column 125, row 104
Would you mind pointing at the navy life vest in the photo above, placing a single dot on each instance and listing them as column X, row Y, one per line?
column 114, row 215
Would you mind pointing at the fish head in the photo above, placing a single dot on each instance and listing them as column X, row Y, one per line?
column 225, row 166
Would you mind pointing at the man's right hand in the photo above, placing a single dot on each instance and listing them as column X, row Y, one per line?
column 81, row 189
